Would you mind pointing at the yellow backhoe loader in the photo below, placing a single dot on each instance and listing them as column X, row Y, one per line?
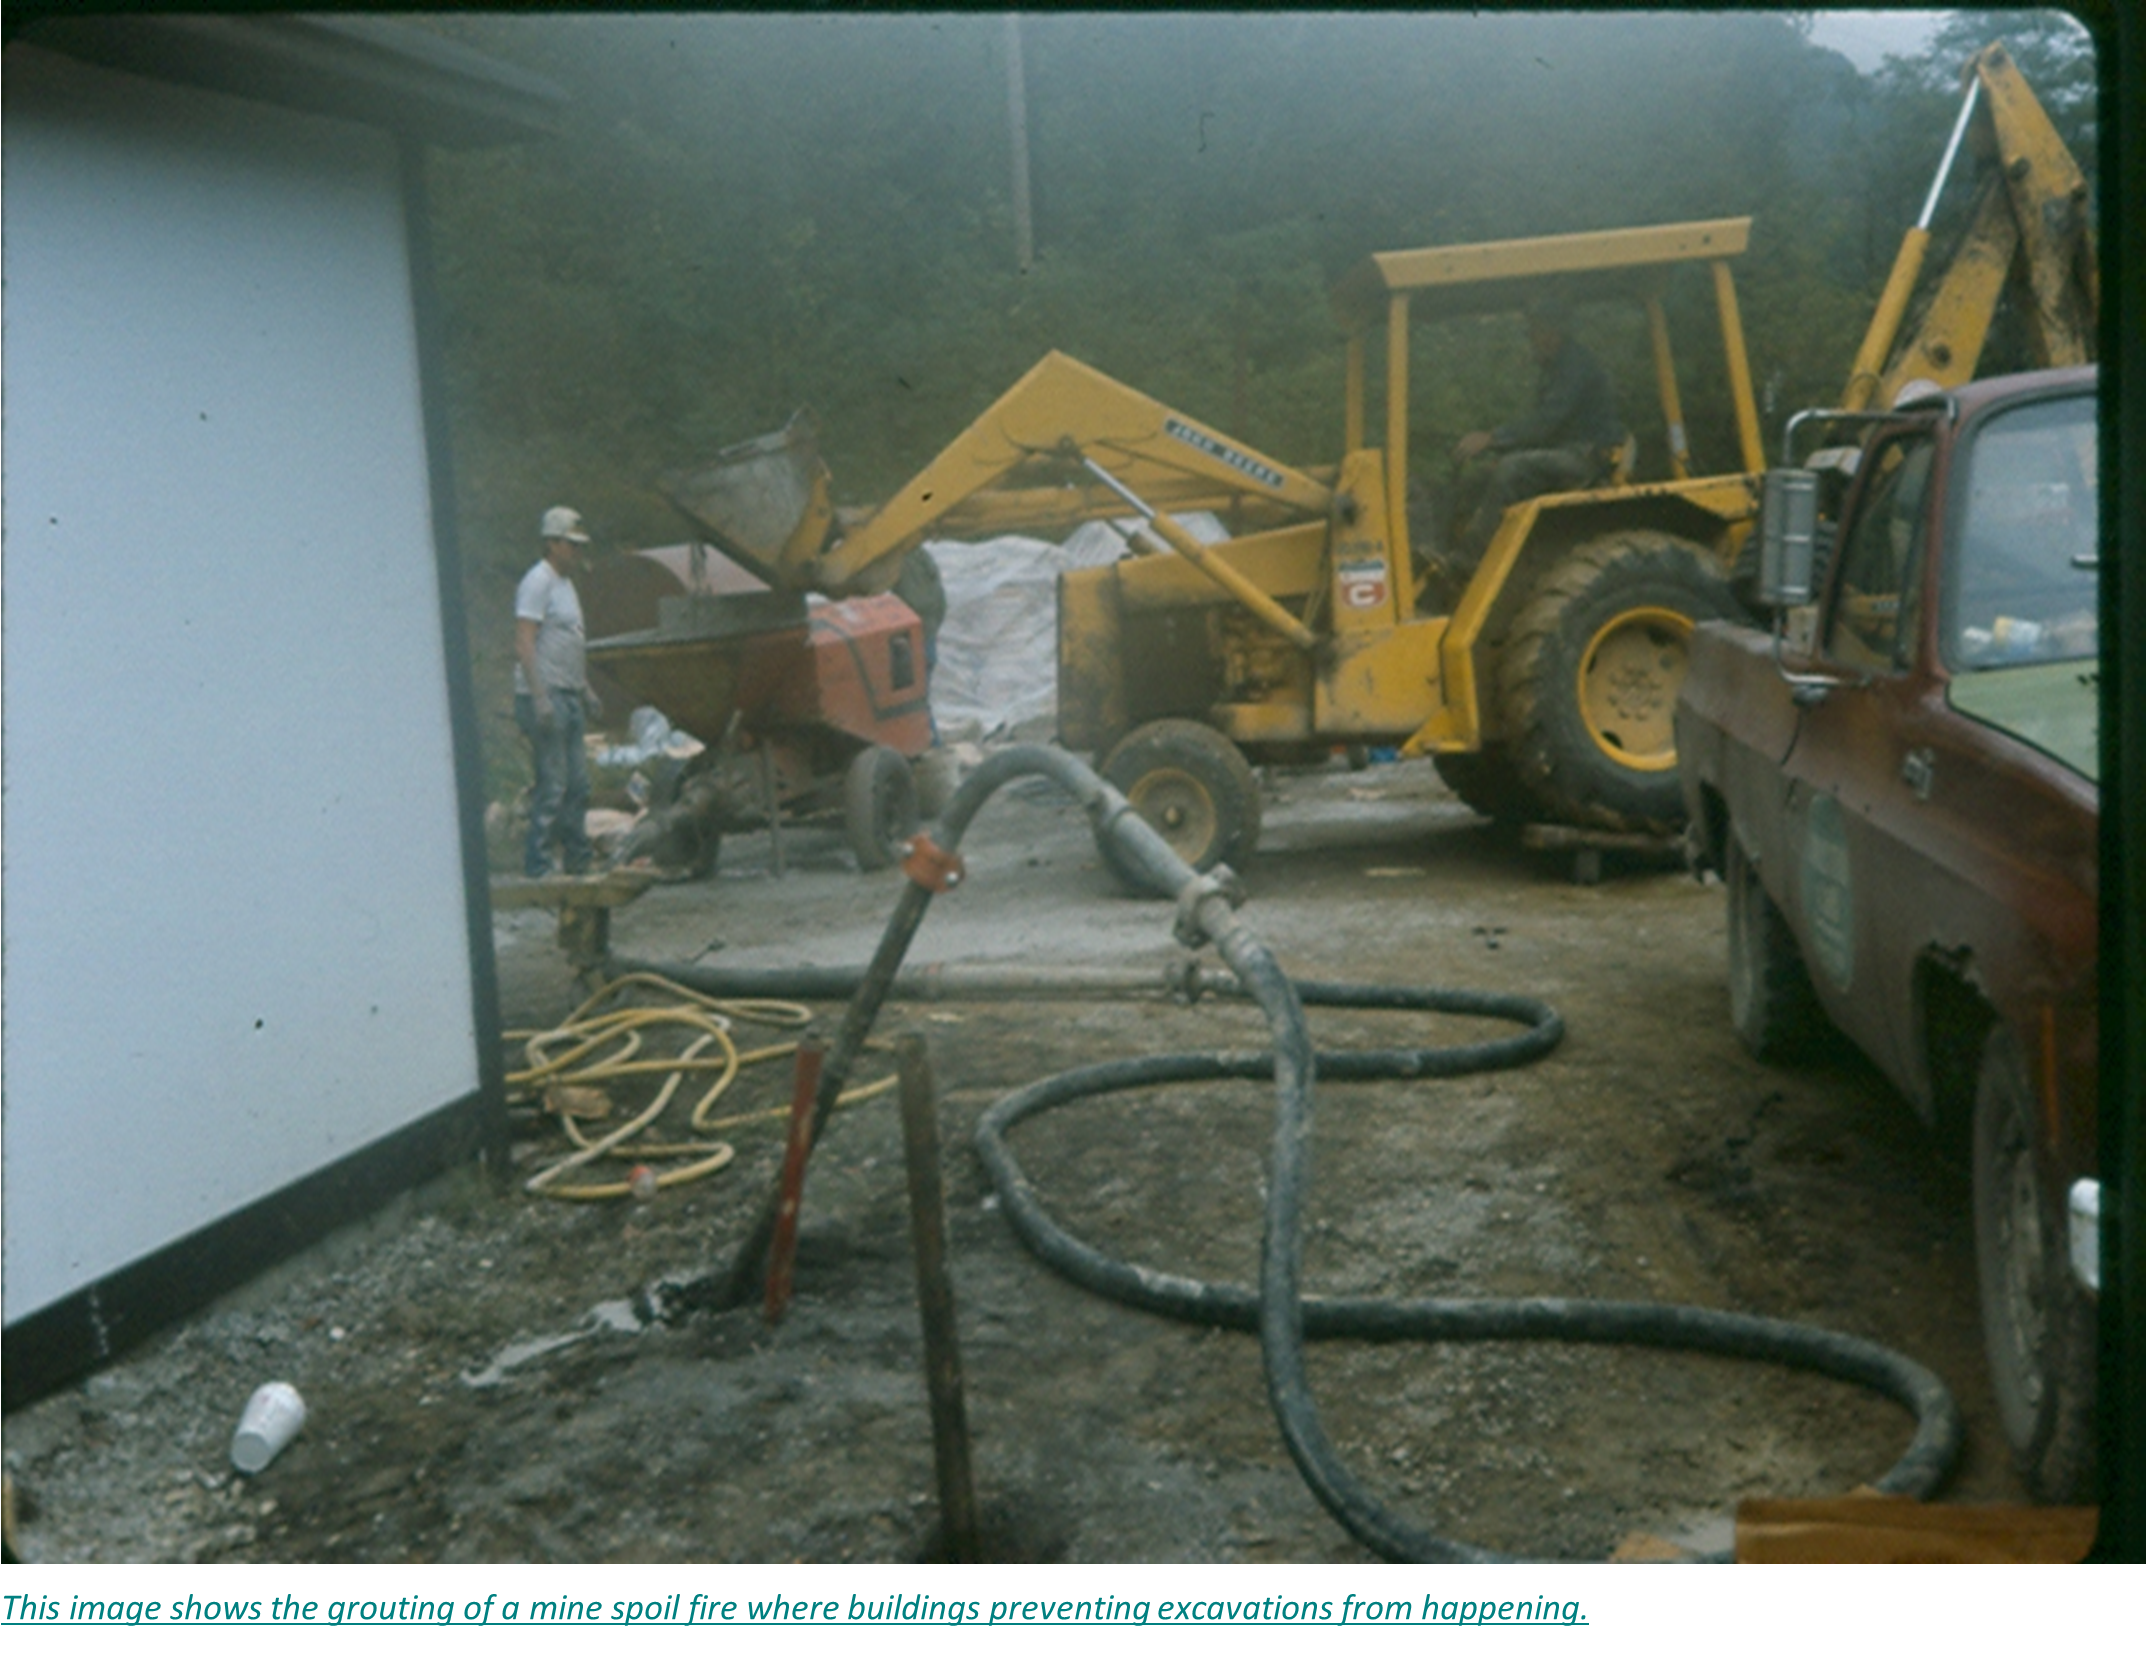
column 2031, row 229
column 1545, row 689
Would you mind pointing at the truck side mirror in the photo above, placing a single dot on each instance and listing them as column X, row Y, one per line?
column 1788, row 537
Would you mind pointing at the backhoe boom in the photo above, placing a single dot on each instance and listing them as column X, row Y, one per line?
column 2031, row 220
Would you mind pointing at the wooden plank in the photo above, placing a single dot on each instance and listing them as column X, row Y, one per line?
column 1583, row 837
column 1883, row 1529
column 599, row 889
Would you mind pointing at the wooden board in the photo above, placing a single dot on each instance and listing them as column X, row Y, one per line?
column 599, row 889
column 1882, row 1529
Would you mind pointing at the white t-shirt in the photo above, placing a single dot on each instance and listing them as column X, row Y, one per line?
column 548, row 599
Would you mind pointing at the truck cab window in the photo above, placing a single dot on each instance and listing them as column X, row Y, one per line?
column 1874, row 599
column 2022, row 588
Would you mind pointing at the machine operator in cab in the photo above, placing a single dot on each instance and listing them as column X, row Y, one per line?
column 1570, row 440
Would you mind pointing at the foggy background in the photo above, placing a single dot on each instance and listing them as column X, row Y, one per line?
column 746, row 214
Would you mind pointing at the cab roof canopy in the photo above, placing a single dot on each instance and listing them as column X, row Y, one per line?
column 1504, row 276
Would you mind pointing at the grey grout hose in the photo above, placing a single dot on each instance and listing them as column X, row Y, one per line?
column 1278, row 1311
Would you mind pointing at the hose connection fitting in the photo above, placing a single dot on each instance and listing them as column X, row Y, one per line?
column 924, row 863
column 1183, row 980
column 1216, row 884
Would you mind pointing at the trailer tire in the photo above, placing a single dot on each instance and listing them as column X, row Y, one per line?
column 1772, row 1005
column 1588, row 679
column 1485, row 781
column 879, row 806
column 2037, row 1320
column 1194, row 787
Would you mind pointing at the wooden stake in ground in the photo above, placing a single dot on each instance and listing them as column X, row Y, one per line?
column 935, row 1302
column 781, row 1241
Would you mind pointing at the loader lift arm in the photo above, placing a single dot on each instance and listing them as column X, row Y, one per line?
column 1545, row 677
column 1065, row 416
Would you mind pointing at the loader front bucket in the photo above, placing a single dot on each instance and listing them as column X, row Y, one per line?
column 764, row 502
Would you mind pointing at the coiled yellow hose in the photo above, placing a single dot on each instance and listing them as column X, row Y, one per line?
column 565, row 1056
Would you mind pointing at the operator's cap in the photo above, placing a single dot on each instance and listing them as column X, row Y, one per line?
column 563, row 523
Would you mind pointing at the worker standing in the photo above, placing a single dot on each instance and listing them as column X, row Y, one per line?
column 1569, row 441
column 552, row 698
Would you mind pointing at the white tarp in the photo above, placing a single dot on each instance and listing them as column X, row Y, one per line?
column 998, row 648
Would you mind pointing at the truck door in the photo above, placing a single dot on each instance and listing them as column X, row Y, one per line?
column 1851, row 772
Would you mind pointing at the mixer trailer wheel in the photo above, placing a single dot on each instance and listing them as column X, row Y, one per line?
column 879, row 806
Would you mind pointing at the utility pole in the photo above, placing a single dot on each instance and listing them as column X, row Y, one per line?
column 1024, row 238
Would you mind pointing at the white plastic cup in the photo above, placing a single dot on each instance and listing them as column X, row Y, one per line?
column 273, row 1416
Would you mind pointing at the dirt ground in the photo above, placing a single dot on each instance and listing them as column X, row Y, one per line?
column 1648, row 1157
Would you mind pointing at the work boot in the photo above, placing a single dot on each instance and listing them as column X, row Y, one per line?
column 1441, row 579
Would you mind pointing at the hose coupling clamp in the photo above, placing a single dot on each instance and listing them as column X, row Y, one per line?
column 925, row 863
column 1217, row 881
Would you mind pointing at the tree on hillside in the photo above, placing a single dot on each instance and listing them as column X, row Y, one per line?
column 1918, row 100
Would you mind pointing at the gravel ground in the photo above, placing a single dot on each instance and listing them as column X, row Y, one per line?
column 478, row 1391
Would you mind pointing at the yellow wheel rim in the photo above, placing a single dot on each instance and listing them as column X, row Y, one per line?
column 1179, row 807
column 1629, row 682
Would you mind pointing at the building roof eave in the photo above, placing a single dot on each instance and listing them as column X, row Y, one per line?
column 371, row 70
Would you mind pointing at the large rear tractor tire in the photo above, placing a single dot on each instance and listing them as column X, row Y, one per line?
column 1772, row 1006
column 1194, row 787
column 1485, row 781
column 2037, row 1320
column 879, row 806
column 1589, row 676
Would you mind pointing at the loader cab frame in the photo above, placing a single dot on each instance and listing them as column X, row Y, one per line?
column 1633, row 265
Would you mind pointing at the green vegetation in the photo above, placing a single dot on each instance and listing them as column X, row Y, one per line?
column 751, row 213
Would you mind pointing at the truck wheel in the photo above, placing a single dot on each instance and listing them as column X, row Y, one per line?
column 1589, row 677
column 2037, row 1320
column 879, row 806
column 1194, row 787
column 1772, row 1005
column 1485, row 781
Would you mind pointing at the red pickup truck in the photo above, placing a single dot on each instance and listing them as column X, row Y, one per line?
column 1899, row 786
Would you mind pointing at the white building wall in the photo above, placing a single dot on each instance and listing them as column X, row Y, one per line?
column 236, row 945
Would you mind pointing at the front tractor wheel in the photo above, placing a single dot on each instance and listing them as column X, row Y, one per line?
column 1485, row 781
column 1589, row 677
column 1194, row 787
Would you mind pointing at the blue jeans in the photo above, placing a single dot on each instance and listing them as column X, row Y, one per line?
column 559, row 805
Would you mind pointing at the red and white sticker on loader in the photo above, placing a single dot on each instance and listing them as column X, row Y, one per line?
column 1363, row 586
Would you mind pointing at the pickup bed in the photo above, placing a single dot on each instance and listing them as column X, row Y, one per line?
column 1901, row 793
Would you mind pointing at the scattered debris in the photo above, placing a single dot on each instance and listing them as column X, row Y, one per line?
column 726, row 1441
column 613, row 1316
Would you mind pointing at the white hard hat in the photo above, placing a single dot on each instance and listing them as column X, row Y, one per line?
column 563, row 523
